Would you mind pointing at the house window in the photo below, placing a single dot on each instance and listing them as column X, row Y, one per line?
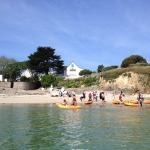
column 72, row 68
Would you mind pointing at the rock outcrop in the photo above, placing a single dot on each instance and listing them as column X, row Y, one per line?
column 128, row 82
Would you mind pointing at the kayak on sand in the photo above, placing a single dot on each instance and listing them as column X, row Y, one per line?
column 88, row 102
column 115, row 101
column 131, row 104
column 146, row 102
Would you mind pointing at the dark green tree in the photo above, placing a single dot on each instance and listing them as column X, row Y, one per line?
column 44, row 60
column 133, row 59
column 100, row 67
column 85, row 72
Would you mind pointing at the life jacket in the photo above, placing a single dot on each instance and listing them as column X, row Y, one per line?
column 75, row 103
column 65, row 103
column 90, row 95
column 120, row 96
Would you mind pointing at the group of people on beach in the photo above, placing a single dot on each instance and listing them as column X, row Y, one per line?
column 63, row 92
column 140, row 97
column 93, row 96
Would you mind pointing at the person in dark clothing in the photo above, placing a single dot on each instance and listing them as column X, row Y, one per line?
column 83, row 96
column 100, row 95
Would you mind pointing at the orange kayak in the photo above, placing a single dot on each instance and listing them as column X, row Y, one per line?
column 88, row 102
column 115, row 101
column 146, row 102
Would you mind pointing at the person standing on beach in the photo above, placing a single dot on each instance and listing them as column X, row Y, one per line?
column 83, row 96
column 113, row 95
column 100, row 95
column 140, row 99
column 95, row 96
column 73, row 93
column 120, row 97
column 90, row 96
column 142, row 96
column 103, row 97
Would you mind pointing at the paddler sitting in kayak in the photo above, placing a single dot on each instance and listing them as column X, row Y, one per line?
column 74, row 102
column 65, row 102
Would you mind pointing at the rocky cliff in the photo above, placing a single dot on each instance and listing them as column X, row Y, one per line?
column 128, row 82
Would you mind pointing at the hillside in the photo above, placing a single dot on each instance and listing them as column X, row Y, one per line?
column 130, row 80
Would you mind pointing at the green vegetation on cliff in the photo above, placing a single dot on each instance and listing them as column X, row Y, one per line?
column 75, row 83
column 111, row 75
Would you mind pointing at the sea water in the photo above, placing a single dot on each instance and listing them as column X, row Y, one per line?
column 46, row 127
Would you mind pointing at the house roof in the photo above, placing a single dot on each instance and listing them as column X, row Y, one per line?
column 70, row 63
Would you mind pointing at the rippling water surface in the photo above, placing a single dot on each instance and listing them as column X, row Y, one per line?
column 38, row 127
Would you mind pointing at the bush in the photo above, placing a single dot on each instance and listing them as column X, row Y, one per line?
column 138, row 64
column 85, row 72
column 47, row 80
column 109, row 68
column 89, row 81
column 25, row 79
column 133, row 59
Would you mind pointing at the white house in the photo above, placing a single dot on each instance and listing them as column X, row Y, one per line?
column 26, row 73
column 1, row 77
column 72, row 71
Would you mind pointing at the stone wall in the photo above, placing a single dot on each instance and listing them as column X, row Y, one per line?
column 19, row 85
column 5, row 84
column 25, row 85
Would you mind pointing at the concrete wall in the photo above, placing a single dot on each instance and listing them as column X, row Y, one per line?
column 25, row 85
column 5, row 84
column 19, row 85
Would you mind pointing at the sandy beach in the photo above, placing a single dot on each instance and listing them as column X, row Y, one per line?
column 48, row 99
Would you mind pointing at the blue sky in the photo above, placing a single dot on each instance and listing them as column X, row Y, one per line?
column 88, row 32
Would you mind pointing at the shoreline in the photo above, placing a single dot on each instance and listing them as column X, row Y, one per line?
column 47, row 99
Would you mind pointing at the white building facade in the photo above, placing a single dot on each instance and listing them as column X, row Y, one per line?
column 72, row 71
column 1, row 77
column 26, row 73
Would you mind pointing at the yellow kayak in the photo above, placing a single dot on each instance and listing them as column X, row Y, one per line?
column 88, row 102
column 131, row 104
column 133, row 101
column 68, row 106
column 130, row 101
column 115, row 101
